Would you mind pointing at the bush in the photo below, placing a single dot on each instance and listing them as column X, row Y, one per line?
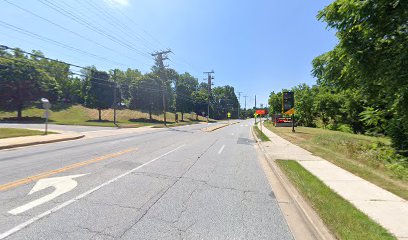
column 398, row 131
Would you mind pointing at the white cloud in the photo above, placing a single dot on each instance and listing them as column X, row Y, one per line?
column 120, row 3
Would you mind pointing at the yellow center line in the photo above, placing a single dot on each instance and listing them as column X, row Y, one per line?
column 63, row 169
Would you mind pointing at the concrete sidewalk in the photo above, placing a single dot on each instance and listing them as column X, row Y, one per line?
column 7, row 143
column 387, row 209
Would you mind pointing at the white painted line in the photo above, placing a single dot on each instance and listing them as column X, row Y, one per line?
column 69, row 202
column 222, row 148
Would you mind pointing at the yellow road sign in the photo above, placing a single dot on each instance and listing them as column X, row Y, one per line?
column 290, row 111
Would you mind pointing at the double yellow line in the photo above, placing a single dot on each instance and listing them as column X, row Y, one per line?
column 26, row 180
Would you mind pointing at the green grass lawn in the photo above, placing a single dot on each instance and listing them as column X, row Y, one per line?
column 18, row 132
column 340, row 216
column 371, row 158
column 79, row 115
column 260, row 134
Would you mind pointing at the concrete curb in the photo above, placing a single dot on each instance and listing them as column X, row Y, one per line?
column 40, row 142
column 308, row 215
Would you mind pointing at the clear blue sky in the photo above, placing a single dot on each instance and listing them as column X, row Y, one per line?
column 256, row 46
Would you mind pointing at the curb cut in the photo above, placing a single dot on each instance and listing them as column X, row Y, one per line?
column 316, row 225
column 40, row 142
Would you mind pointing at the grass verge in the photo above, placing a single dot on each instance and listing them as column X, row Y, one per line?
column 79, row 115
column 341, row 217
column 260, row 134
column 18, row 132
column 371, row 158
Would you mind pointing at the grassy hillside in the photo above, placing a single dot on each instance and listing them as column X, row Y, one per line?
column 79, row 115
column 371, row 158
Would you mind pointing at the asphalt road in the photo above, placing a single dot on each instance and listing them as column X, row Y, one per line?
column 179, row 183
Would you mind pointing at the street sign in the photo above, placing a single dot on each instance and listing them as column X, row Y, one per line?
column 46, row 105
column 288, row 103
column 229, row 115
column 261, row 112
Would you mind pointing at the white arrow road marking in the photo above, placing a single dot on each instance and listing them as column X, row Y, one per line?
column 77, row 198
column 222, row 148
column 61, row 185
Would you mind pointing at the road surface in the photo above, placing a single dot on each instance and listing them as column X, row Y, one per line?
column 178, row 183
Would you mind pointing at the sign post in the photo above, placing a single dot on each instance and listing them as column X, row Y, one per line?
column 260, row 113
column 46, row 106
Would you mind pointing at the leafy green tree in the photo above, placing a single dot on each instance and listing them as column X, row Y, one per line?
column 200, row 97
column 99, row 93
column 275, row 103
column 304, row 105
column 184, row 88
column 23, row 82
column 146, row 93
column 371, row 57
column 327, row 106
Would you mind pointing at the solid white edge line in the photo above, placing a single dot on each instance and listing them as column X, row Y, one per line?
column 69, row 202
column 222, row 148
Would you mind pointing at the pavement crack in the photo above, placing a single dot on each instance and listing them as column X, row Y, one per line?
column 155, row 175
column 96, row 232
column 112, row 204
column 168, row 188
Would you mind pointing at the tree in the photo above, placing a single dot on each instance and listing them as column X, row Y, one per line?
column 304, row 102
column 275, row 103
column 22, row 83
column 146, row 94
column 371, row 57
column 99, row 93
column 184, row 88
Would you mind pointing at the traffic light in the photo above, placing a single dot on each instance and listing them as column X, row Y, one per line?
column 288, row 103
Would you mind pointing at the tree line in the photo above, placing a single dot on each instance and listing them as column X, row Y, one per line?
column 27, row 77
column 362, row 83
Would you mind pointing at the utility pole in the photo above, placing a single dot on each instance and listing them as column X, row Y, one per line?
column 159, row 58
column 210, row 77
column 255, row 101
column 239, row 103
column 245, row 102
column 115, row 103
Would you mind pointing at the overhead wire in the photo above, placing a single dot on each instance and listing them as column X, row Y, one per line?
column 119, row 25
column 82, row 21
column 66, row 29
column 37, row 36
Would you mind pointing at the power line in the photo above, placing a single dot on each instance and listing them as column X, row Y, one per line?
column 34, row 35
column 77, row 18
column 64, row 28
column 112, row 20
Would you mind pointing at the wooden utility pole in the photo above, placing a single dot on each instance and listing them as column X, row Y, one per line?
column 115, row 101
column 159, row 58
column 210, row 77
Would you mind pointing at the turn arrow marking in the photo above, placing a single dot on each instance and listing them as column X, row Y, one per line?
column 61, row 185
